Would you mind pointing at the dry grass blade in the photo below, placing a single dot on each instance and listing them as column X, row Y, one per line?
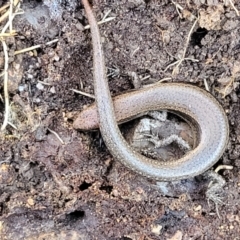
column 6, row 96
column 58, row 137
column 8, row 34
column 83, row 93
column 235, row 9
column 101, row 22
column 4, row 7
column 34, row 47
column 176, row 69
column 10, row 15
column 10, row 5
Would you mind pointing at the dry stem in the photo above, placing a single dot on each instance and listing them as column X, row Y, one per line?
column 11, row 16
column 6, row 96
column 34, row 47
column 175, row 70
column 235, row 9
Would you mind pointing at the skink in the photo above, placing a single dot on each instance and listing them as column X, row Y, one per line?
column 198, row 105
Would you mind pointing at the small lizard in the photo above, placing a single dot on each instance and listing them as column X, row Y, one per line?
column 192, row 103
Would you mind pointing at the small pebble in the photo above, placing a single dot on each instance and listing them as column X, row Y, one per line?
column 40, row 86
column 156, row 229
column 21, row 88
column 52, row 90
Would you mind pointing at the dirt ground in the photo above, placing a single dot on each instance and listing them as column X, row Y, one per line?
column 59, row 183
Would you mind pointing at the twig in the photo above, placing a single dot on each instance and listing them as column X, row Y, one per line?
column 144, row 78
column 107, row 13
column 220, row 167
column 237, row 12
column 158, row 82
column 9, row 22
column 206, row 84
column 34, row 47
column 13, row 33
column 10, row 16
column 170, row 65
column 6, row 96
column 101, row 22
column 6, row 14
column 174, row 63
column 53, row 132
column 45, row 83
column 134, row 51
column 191, row 59
column 83, row 93
column 185, row 49
column 5, row 50
column 177, row 6
column 164, row 79
column 4, row 7
column 12, row 125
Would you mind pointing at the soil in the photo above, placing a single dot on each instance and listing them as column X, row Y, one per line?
column 70, row 187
